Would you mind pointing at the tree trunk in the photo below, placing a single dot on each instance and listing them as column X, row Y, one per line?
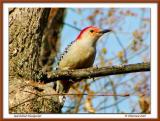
column 33, row 38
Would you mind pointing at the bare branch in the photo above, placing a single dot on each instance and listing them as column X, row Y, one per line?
column 81, row 94
column 80, row 74
column 72, row 26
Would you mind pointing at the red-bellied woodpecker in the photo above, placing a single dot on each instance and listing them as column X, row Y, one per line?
column 80, row 54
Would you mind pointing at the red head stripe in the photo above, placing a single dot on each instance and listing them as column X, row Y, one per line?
column 82, row 31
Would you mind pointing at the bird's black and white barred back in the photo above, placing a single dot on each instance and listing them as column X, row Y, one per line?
column 61, row 55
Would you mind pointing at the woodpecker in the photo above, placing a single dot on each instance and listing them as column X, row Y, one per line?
column 80, row 53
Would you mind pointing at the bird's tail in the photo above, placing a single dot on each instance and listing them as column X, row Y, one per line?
column 62, row 87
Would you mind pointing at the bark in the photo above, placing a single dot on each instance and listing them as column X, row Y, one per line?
column 27, row 35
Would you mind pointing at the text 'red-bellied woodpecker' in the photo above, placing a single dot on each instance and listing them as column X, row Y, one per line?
column 80, row 54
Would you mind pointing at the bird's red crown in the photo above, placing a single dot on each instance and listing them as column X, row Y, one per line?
column 85, row 29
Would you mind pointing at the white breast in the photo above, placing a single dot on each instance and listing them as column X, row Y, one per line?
column 78, row 56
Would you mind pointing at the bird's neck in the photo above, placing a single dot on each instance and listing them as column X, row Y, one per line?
column 87, row 42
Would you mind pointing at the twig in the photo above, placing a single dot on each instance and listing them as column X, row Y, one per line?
column 72, row 26
column 80, row 99
column 80, row 94
column 21, row 103
column 120, row 43
column 115, row 103
column 123, row 95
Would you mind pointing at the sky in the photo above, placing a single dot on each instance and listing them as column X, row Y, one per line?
column 124, row 33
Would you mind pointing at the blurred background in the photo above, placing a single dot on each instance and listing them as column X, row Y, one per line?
column 128, row 44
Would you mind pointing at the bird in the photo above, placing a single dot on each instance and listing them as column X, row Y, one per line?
column 79, row 54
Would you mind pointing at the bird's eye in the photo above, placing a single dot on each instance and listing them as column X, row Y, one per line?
column 92, row 31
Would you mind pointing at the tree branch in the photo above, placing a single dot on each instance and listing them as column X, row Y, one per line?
column 80, row 74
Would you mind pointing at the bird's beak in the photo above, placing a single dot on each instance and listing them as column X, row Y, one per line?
column 105, row 31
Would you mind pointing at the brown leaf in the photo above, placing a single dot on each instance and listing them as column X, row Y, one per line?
column 88, row 102
column 91, row 17
column 88, row 105
column 137, row 34
column 144, row 103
